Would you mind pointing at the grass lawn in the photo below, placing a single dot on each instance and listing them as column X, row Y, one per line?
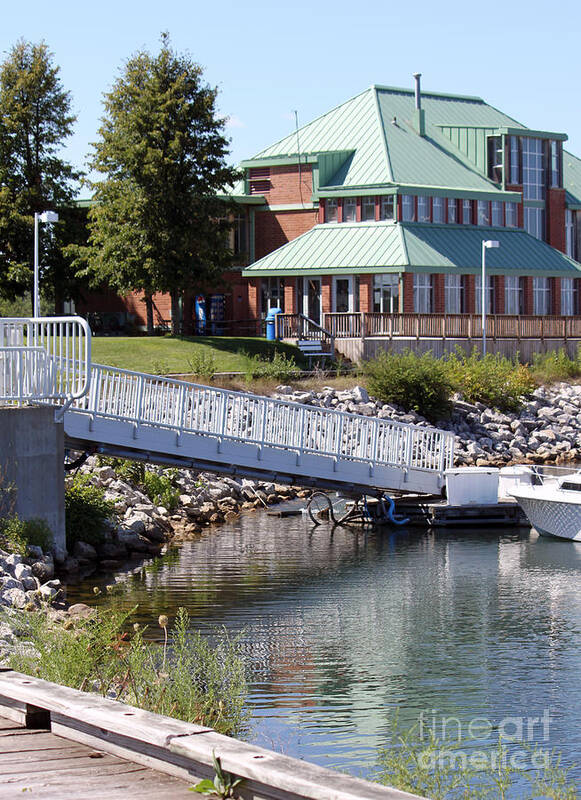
column 162, row 355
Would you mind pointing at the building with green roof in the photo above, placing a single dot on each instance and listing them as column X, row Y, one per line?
column 382, row 204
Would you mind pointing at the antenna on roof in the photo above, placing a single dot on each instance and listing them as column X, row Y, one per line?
column 296, row 113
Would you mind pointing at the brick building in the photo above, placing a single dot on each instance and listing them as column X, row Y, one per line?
column 382, row 204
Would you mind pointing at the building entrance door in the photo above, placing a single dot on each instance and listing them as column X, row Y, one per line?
column 309, row 289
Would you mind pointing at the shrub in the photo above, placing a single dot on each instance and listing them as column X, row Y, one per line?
column 126, row 470
column 494, row 380
column 160, row 489
column 555, row 366
column 86, row 512
column 420, row 383
column 186, row 678
column 16, row 534
column 202, row 363
column 281, row 367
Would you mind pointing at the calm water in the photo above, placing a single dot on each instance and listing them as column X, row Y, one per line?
column 341, row 628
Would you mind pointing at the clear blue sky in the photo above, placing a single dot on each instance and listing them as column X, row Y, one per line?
column 268, row 58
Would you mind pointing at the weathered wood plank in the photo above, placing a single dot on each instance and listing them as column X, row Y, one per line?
column 66, row 750
column 23, row 713
column 77, row 763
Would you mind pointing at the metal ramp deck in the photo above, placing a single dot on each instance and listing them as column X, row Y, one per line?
column 166, row 421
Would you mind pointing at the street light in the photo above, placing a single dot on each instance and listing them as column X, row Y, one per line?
column 45, row 216
column 485, row 246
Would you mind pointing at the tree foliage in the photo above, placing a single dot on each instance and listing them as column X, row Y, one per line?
column 35, row 119
column 159, row 224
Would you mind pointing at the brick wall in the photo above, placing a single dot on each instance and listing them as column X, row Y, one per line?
column 254, row 297
column 555, row 218
column 408, row 293
column 469, row 294
column 274, row 229
column 498, row 284
column 555, row 295
column 438, row 290
column 528, row 294
column 366, row 293
column 326, row 293
column 284, row 185
column 290, row 296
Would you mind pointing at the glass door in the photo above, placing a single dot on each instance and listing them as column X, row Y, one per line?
column 343, row 294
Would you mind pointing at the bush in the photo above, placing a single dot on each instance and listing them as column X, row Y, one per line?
column 281, row 367
column 494, row 380
column 418, row 383
column 126, row 470
column 17, row 534
column 202, row 363
column 186, row 678
column 160, row 489
column 86, row 512
column 555, row 366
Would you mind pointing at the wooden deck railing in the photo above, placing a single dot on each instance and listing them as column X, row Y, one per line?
column 300, row 327
column 355, row 325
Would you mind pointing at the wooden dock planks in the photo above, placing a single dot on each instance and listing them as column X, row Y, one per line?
column 41, row 764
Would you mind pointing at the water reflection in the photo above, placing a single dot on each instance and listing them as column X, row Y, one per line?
column 340, row 628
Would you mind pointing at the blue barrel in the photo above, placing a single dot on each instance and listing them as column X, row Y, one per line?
column 271, row 323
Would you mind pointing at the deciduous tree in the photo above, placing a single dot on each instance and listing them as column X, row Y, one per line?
column 159, row 224
column 35, row 120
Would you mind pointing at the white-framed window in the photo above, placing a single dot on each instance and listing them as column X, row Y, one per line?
column 511, row 210
column 272, row 292
column 331, row 210
column 489, row 296
column 438, row 209
column 497, row 213
column 533, row 169
column 541, row 296
column 423, row 208
column 569, row 297
column 423, row 293
column 367, row 209
column 569, row 233
column 467, row 212
column 483, row 211
column 408, row 208
column 386, row 293
column 349, row 209
column 452, row 211
column 534, row 222
column 453, row 294
column 556, row 154
column 513, row 295
column 387, row 207
column 343, row 293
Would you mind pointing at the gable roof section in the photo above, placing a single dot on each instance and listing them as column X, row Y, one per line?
column 352, row 126
column 399, row 247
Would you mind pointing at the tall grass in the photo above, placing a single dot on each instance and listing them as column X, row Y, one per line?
column 188, row 678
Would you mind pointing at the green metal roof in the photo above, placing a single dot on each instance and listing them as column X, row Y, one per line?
column 400, row 247
column 379, row 145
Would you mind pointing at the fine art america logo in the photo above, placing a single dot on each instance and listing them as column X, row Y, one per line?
column 454, row 743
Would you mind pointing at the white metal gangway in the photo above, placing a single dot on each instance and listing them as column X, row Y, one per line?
column 169, row 421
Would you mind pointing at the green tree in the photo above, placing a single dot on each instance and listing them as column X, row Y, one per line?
column 35, row 120
column 159, row 224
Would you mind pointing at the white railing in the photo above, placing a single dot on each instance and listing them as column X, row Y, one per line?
column 147, row 400
column 62, row 373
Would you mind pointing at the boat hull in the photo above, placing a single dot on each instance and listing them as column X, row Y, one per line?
column 552, row 517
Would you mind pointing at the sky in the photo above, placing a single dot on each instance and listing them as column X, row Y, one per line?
column 269, row 59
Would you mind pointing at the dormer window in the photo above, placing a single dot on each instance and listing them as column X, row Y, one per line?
column 387, row 207
column 331, row 210
column 495, row 158
column 367, row 209
column 556, row 156
column 349, row 209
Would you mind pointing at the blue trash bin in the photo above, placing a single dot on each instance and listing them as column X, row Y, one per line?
column 271, row 323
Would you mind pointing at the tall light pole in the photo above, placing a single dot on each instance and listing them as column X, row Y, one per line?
column 485, row 246
column 45, row 216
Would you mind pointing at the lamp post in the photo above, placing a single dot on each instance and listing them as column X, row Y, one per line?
column 45, row 216
column 488, row 243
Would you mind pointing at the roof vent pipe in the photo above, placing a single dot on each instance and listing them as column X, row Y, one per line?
column 419, row 113
column 417, row 76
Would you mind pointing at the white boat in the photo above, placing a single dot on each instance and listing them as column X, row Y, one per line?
column 551, row 501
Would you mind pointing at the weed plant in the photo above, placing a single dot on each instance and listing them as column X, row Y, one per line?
column 202, row 364
column 17, row 534
column 281, row 367
column 86, row 512
column 187, row 678
column 493, row 379
column 444, row 770
column 555, row 366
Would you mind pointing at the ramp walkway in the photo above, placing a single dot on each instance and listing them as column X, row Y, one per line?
column 147, row 417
